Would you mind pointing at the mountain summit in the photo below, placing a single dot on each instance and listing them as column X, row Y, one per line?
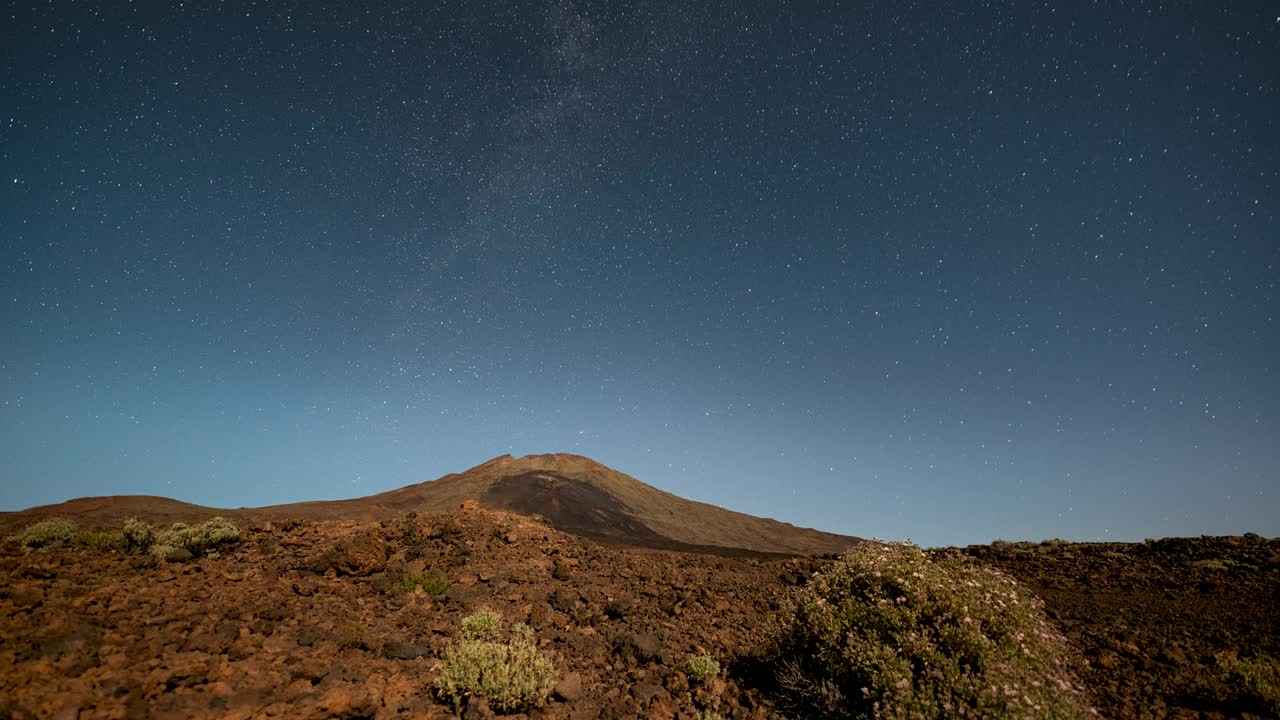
column 579, row 495
column 571, row 493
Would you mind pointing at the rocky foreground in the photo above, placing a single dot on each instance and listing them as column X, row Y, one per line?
column 314, row 619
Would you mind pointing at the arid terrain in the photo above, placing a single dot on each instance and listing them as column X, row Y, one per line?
column 307, row 615
column 572, row 493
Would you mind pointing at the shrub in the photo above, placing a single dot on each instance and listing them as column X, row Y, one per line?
column 482, row 625
column 1256, row 680
column 100, row 539
column 702, row 667
column 512, row 675
column 431, row 583
column 47, row 533
column 138, row 535
column 196, row 539
column 354, row 636
column 161, row 551
column 890, row 634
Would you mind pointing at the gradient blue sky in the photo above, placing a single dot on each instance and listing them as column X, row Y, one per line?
column 950, row 273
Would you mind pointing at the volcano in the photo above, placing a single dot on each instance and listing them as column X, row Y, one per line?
column 571, row 493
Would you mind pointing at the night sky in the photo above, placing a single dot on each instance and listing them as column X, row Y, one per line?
column 948, row 272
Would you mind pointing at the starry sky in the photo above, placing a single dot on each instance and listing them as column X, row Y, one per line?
column 945, row 271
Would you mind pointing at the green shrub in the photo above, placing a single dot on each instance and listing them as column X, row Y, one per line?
column 431, row 583
column 100, row 539
column 161, row 551
column 138, row 535
column 701, row 667
column 47, row 533
column 890, row 634
column 354, row 636
column 1256, row 679
column 482, row 625
column 511, row 674
column 196, row 539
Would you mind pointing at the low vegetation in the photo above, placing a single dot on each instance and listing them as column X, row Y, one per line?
column 354, row 636
column 135, row 536
column 1256, row 680
column 892, row 634
column 431, row 583
column 483, row 625
column 196, row 539
column 701, row 667
column 47, row 533
column 511, row 672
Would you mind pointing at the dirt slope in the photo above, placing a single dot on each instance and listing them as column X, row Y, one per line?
column 575, row 494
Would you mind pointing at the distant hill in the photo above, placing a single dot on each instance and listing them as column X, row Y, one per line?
column 572, row 493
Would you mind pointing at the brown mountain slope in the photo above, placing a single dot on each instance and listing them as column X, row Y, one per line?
column 573, row 493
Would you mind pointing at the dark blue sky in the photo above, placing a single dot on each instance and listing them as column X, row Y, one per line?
column 948, row 272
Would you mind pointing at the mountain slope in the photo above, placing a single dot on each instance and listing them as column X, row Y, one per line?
column 572, row 493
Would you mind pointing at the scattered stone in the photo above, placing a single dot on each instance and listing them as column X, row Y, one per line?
column 569, row 688
column 617, row 608
column 563, row 600
column 641, row 646
column 177, row 555
column 645, row 692
column 396, row 650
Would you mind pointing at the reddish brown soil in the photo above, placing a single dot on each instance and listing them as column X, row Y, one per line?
column 1150, row 617
column 269, row 629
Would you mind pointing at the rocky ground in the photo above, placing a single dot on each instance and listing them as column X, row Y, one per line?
column 307, row 619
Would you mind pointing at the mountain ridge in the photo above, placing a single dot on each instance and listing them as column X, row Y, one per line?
column 573, row 493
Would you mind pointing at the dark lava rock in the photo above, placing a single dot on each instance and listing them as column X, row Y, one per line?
column 396, row 650
column 178, row 555
column 644, row 692
column 641, row 646
column 563, row 600
column 570, row 687
column 617, row 608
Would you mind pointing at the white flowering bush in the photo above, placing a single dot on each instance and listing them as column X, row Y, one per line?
column 198, row 539
column 47, row 533
column 701, row 667
column 890, row 634
column 512, row 674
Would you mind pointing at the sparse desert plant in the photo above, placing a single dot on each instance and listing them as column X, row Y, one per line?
column 354, row 636
column 138, row 535
column 1256, row 680
column 196, row 539
column 512, row 674
column 431, row 583
column 46, row 533
column 160, row 550
column 58, row 531
column 100, row 539
column 701, row 667
column 1212, row 564
column 710, row 715
column 484, row 624
column 891, row 634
